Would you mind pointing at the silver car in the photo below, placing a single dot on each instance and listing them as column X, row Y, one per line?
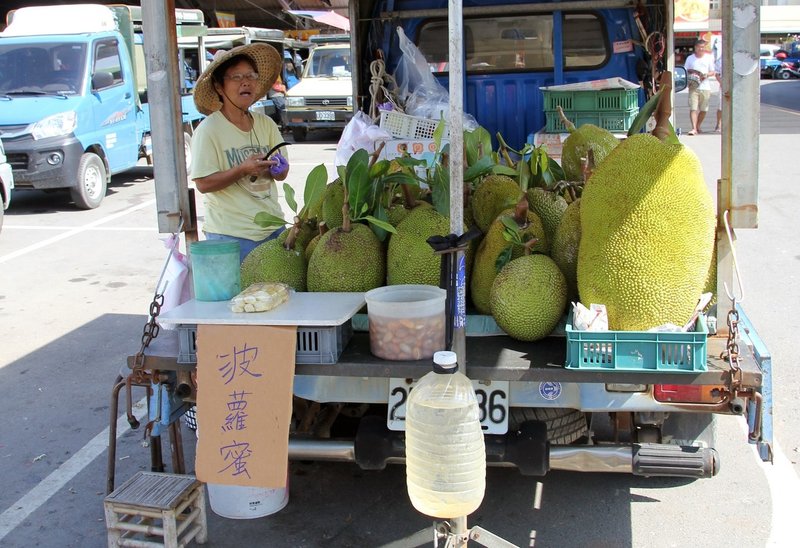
column 6, row 183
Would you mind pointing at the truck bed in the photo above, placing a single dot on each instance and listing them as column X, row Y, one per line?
column 503, row 358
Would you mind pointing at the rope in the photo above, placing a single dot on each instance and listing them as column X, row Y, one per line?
column 378, row 90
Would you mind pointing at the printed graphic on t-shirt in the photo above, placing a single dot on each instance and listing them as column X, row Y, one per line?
column 235, row 156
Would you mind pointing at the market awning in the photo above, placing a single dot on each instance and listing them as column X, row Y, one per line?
column 326, row 17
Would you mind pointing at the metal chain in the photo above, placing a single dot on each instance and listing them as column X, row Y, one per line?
column 151, row 327
column 731, row 354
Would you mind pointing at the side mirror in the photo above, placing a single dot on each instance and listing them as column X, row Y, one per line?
column 101, row 80
column 679, row 79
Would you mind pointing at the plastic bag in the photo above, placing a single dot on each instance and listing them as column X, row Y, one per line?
column 360, row 132
column 418, row 89
column 175, row 283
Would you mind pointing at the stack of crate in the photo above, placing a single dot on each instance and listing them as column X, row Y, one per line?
column 611, row 109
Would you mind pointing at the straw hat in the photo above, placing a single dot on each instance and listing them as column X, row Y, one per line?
column 268, row 65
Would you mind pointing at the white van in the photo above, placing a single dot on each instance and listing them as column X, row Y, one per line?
column 323, row 99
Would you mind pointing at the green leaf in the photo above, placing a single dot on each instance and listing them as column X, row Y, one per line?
column 410, row 161
column 509, row 222
column 400, row 178
column 479, row 168
column 440, row 190
column 341, row 171
column 382, row 216
column 359, row 158
column 523, row 175
column 288, row 194
column 644, row 114
column 381, row 224
column 379, row 169
column 315, row 186
column 265, row 220
column 359, row 188
column 498, row 169
column 504, row 258
column 438, row 134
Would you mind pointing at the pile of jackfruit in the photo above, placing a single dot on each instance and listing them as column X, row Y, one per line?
column 628, row 224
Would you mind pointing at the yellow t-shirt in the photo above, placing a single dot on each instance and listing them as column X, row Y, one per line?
column 218, row 145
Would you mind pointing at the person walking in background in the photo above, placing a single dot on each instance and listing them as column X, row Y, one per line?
column 699, row 69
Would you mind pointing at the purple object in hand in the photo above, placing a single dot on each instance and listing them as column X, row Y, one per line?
column 281, row 167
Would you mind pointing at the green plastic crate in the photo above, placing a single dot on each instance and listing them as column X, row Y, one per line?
column 612, row 121
column 684, row 352
column 592, row 100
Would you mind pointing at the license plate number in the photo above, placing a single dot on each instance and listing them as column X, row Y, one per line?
column 327, row 115
column 492, row 403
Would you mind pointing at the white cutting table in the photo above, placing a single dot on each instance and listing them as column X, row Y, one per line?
column 302, row 309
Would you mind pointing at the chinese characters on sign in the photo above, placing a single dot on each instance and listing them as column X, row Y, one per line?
column 244, row 406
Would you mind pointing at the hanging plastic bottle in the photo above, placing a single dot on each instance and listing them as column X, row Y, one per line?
column 445, row 450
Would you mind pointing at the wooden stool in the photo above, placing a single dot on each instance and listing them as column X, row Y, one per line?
column 148, row 496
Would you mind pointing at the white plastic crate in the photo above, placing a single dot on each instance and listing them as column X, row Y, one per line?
column 409, row 127
column 315, row 345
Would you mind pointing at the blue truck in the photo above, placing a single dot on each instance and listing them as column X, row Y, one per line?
column 73, row 96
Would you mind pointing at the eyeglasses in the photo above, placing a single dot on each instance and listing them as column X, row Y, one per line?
column 238, row 78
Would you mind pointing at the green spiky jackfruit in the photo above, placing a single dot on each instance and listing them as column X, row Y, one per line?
column 495, row 194
column 347, row 261
column 271, row 262
column 577, row 145
column 647, row 234
column 528, row 297
column 332, row 204
column 409, row 259
column 564, row 249
column 492, row 246
column 549, row 206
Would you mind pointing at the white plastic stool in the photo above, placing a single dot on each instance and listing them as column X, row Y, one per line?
column 134, row 506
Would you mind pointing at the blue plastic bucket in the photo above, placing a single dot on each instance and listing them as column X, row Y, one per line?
column 215, row 270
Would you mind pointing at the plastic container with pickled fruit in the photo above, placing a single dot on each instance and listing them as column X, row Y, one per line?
column 406, row 322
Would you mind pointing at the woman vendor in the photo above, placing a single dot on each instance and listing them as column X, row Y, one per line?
column 229, row 146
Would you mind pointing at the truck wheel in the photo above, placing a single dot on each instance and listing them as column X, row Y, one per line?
column 91, row 188
column 784, row 75
column 564, row 426
column 300, row 134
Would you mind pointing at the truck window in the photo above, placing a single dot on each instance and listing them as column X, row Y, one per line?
column 584, row 42
column 329, row 62
column 46, row 67
column 107, row 59
column 521, row 42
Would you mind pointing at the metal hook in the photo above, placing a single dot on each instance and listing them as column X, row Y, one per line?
column 729, row 233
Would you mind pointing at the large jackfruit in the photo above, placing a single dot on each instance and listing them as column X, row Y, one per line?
column 347, row 261
column 564, row 249
column 587, row 137
column 493, row 245
column 494, row 194
column 528, row 297
column 647, row 234
column 409, row 259
column 272, row 262
column 549, row 206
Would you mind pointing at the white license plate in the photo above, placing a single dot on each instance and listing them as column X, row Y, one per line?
column 327, row 115
column 492, row 402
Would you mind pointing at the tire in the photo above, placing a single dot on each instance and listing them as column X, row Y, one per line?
column 784, row 75
column 92, row 182
column 564, row 426
column 300, row 134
